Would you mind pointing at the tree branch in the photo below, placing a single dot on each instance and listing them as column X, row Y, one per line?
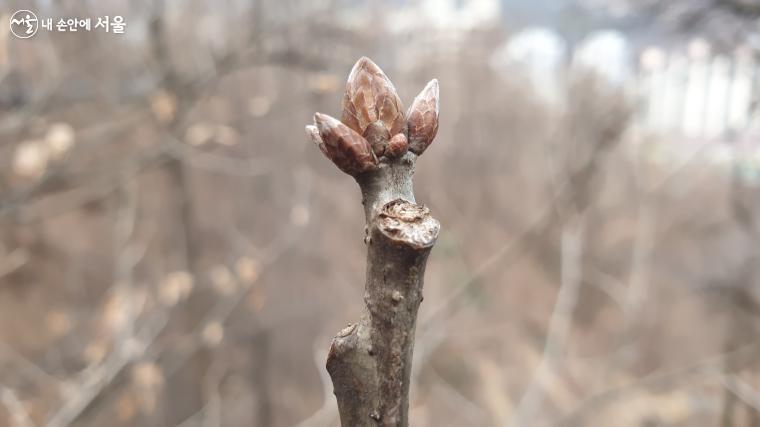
column 370, row 362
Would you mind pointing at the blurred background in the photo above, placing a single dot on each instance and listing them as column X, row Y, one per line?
column 173, row 252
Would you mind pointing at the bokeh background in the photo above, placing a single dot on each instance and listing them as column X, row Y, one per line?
column 174, row 253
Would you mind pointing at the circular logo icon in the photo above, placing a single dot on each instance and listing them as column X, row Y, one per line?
column 24, row 24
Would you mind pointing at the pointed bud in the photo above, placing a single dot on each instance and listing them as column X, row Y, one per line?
column 422, row 118
column 313, row 133
column 371, row 97
column 397, row 146
column 377, row 136
column 346, row 148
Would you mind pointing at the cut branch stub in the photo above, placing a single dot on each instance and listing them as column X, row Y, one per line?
column 408, row 223
column 370, row 362
column 353, row 371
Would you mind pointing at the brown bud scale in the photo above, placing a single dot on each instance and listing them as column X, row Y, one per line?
column 346, row 148
column 422, row 118
column 377, row 136
column 397, row 146
column 313, row 133
column 370, row 96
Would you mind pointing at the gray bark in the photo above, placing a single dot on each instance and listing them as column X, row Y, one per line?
column 370, row 361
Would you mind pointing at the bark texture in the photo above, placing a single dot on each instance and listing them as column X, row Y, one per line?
column 370, row 361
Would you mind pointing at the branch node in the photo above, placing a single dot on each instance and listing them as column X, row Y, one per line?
column 408, row 223
column 397, row 297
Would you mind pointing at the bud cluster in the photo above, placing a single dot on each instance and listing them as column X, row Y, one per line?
column 373, row 124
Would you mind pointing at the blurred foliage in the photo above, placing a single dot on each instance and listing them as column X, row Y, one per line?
column 174, row 252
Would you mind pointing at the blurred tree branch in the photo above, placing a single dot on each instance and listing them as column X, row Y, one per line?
column 664, row 378
column 560, row 323
column 16, row 409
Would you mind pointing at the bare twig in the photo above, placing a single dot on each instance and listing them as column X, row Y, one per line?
column 13, row 261
column 27, row 367
column 559, row 325
column 370, row 361
column 16, row 409
column 94, row 379
column 502, row 256
column 741, row 389
column 702, row 368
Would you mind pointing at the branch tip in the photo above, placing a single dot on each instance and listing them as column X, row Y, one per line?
column 422, row 118
column 372, row 100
